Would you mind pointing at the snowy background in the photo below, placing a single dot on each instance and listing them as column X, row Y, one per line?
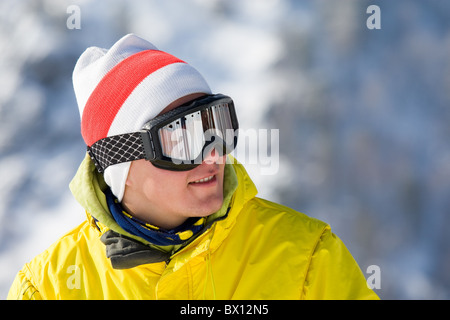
column 364, row 116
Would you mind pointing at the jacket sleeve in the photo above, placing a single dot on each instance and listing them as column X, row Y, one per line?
column 23, row 289
column 333, row 274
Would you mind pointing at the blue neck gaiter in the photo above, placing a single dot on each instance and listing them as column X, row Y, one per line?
column 151, row 233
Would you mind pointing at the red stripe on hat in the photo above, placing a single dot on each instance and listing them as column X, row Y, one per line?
column 115, row 87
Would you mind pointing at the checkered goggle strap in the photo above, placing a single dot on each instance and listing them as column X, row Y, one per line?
column 116, row 149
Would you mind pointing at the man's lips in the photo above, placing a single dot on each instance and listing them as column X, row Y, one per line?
column 203, row 180
column 206, row 179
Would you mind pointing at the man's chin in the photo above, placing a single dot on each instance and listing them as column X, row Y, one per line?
column 209, row 207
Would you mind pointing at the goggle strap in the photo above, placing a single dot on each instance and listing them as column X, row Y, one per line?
column 117, row 149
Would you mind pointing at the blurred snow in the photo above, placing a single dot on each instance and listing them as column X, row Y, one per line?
column 363, row 117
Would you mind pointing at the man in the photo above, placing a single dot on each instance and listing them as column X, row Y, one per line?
column 169, row 214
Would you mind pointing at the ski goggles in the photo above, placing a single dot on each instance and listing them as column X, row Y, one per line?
column 178, row 140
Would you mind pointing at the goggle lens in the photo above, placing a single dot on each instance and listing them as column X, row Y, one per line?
column 184, row 138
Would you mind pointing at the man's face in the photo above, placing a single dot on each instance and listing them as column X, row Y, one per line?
column 167, row 198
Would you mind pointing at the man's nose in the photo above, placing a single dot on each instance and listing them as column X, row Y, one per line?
column 212, row 156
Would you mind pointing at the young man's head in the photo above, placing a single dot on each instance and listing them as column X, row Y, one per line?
column 118, row 91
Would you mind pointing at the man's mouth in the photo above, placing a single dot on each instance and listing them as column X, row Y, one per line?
column 204, row 180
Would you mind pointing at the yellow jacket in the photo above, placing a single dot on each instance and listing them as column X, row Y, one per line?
column 259, row 250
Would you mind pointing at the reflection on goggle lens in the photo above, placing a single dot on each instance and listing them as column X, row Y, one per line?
column 185, row 137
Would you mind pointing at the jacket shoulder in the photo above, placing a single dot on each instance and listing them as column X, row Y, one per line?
column 276, row 225
column 287, row 219
column 73, row 240
column 44, row 273
column 325, row 269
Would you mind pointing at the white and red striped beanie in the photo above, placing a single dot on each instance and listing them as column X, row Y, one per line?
column 120, row 89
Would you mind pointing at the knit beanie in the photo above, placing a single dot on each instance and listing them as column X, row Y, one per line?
column 120, row 89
